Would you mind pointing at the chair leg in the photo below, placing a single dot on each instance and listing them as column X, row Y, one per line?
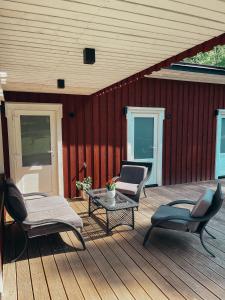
column 144, row 192
column 80, row 238
column 147, row 235
column 203, row 244
column 210, row 234
column 23, row 249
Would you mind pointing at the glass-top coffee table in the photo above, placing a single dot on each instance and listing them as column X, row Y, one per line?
column 119, row 210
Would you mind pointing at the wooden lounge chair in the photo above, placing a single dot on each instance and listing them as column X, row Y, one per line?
column 38, row 214
column 182, row 219
column 132, row 179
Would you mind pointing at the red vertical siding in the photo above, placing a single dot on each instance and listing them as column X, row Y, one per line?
column 97, row 134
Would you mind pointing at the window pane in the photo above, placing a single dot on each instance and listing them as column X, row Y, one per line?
column 143, row 137
column 222, row 145
column 35, row 140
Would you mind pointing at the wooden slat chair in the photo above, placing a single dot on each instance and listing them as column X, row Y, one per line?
column 182, row 219
column 132, row 179
column 38, row 214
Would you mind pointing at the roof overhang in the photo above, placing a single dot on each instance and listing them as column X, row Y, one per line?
column 191, row 72
column 41, row 41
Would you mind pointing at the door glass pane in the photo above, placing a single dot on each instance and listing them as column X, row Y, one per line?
column 143, row 137
column 35, row 140
column 222, row 145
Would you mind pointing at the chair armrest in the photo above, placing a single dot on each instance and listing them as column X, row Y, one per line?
column 48, row 222
column 35, row 194
column 142, row 183
column 181, row 202
column 116, row 178
column 189, row 219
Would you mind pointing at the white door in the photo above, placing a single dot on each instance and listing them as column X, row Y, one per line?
column 145, row 132
column 220, row 145
column 35, row 147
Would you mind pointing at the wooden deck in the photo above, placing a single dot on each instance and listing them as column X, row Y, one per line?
column 174, row 265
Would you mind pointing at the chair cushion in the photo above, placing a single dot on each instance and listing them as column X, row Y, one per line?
column 203, row 204
column 127, row 188
column 45, row 203
column 133, row 174
column 63, row 213
column 14, row 201
column 166, row 211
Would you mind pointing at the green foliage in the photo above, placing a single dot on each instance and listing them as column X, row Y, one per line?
column 215, row 57
column 84, row 185
column 111, row 185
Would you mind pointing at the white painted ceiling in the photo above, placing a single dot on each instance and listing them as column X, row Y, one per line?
column 43, row 40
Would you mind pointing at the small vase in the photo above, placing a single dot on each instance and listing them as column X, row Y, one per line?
column 83, row 195
column 111, row 194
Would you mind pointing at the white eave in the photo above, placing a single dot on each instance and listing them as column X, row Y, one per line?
column 187, row 76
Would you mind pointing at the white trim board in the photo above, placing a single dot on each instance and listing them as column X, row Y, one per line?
column 10, row 110
column 159, row 114
column 220, row 115
column 187, row 76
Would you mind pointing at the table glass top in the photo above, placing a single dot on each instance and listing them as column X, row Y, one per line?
column 99, row 197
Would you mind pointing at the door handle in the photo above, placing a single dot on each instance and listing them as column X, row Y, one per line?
column 52, row 153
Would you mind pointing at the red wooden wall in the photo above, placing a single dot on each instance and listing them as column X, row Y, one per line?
column 97, row 133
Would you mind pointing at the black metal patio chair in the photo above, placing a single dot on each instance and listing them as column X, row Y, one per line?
column 182, row 219
column 132, row 179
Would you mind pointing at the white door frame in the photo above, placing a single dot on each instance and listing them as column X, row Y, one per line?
column 10, row 110
column 220, row 115
column 159, row 112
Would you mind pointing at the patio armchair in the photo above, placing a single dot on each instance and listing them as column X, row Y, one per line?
column 132, row 179
column 38, row 214
column 182, row 219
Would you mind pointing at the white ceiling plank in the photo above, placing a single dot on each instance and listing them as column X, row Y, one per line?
column 21, row 42
column 29, row 50
column 67, row 46
column 40, row 21
column 215, row 5
column 48, row 57
column 106, row 24
column 38, row 88
column 145, row 44
column 92, row 35
column 212, row 10
column 70, row 64
column 65, row 43
column 64, row 9
column 65, row 71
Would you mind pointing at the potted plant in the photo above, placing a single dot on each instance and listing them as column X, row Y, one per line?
column 111, row 189
column 84, row 186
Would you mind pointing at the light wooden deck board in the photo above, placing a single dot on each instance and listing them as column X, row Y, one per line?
column 173, row 266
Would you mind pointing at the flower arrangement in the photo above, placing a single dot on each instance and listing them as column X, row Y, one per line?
column 111, row 185
column 84, row 185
